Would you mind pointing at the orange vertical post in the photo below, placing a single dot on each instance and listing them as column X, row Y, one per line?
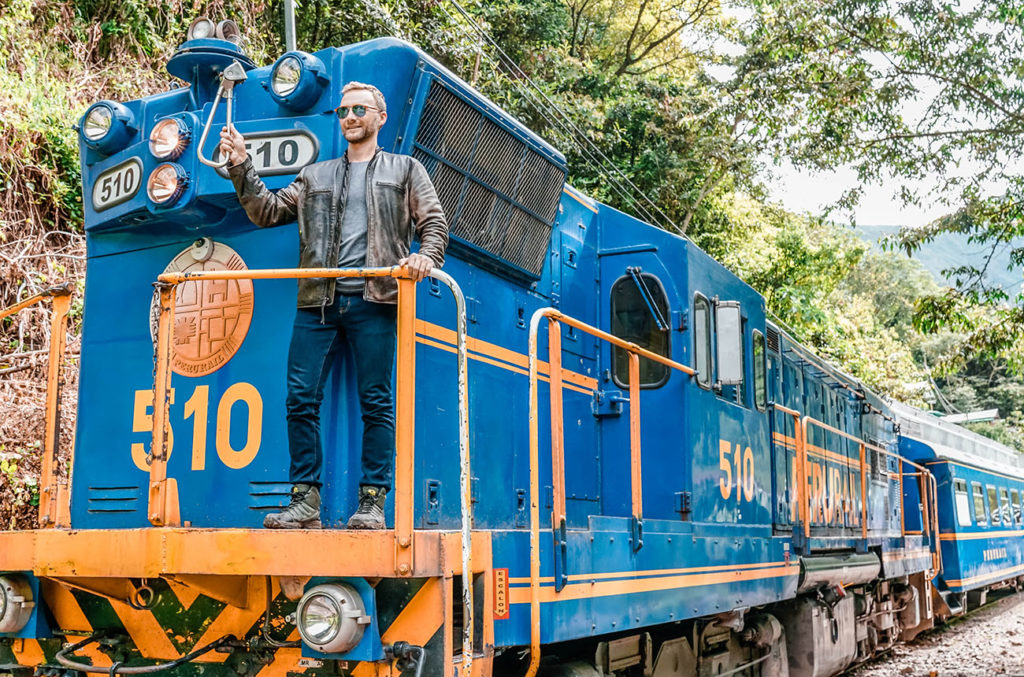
column 162, row 501
column 557, row 423
column 634, row 435
column 405, row 434
column 863, row 493
column 805, row 503
column 49, row 495
column 903, row 516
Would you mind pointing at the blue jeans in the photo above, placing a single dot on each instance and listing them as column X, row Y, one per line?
column 368, row 329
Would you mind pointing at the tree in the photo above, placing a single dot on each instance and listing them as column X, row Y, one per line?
column 838, row 80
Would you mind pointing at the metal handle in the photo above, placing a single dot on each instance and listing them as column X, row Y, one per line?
column 231, row 76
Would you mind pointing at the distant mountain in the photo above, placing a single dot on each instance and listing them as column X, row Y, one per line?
column 950, row 250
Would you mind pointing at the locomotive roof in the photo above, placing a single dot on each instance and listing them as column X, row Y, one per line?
column 955, row 443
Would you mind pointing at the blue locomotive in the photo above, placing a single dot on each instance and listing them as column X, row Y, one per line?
column 610, row 460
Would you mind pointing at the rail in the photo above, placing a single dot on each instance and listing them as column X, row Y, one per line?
column 54, row 497
column 163, row 501
column 927, row 485
column 555, row 319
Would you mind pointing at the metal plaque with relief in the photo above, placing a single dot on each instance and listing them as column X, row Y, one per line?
column 211, row 317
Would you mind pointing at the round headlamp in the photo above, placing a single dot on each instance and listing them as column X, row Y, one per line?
column 297, row 80
column 166, row 184
column 16, row 603
column 169, row 138
column 107, row 127
column 331, row 618
column 201, row 28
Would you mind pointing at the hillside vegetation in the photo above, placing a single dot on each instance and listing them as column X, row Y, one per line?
column 649, row 130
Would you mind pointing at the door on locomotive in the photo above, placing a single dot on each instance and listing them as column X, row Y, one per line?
column 638, row 297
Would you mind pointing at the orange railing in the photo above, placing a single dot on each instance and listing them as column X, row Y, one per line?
column 555, row 319
column 163, row 493
column 54, row 497
column 927, row 485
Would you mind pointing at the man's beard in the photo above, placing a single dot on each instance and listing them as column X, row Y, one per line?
column 363, row 133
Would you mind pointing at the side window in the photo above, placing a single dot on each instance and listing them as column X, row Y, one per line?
column 993, row 504
column 1004, row 504
column 1015, row 506
column 760, row 381
column 979, row 504
column 640, row 315
column 702, row 340
column 1021, row 508
column 963, row 506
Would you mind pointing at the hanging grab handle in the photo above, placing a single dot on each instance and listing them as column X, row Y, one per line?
column 231, row 76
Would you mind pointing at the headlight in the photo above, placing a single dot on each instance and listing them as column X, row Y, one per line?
column 16, row 603
column 285, row 77
column 169, row 138
column 297, row 80
column 97, row 123
column 201, row 28
column 167, row 183
column 331, row 618
column 107, row 127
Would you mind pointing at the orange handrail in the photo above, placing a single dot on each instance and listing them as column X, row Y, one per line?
column 555, row 319
column 54, row 498
column 163, row 498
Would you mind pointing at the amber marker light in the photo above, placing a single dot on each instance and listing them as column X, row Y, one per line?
column 166, row 183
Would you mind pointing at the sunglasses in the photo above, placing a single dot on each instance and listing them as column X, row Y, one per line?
column 359, row 111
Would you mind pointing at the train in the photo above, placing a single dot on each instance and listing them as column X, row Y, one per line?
column 611, row 460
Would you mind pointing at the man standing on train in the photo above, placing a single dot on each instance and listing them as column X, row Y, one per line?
column 359, row 210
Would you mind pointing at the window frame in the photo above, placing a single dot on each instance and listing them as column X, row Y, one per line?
column 994, row 516
column 1005, row 511
column 1015, row 507
column 668, row 331
column 978, row 499
column 760, row 394
column 709, row 378
column 960, row 517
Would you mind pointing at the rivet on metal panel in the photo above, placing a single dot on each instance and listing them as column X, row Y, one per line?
column 404, row 542
column 403, row 568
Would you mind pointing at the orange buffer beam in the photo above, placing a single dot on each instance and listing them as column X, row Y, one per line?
column 149, row 553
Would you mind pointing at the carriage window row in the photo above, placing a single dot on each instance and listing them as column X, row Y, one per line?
column 1005, row 507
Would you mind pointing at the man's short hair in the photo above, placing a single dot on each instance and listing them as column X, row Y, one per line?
column 378, row 98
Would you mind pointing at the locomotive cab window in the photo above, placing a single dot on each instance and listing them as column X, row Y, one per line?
column 639, row 315
column 963, row 507
column 993, row 505
column 979, row 504
column 702, row 340
column 760, row 382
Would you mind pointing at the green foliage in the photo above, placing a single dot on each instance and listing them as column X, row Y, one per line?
column 925, row 95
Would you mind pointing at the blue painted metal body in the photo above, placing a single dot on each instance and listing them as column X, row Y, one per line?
column 719, row 490
column 980, row 546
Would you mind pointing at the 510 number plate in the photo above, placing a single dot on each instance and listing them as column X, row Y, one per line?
column 276, row 153
column 116, row 185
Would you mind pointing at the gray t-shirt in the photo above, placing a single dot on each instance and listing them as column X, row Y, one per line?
column 353, row 229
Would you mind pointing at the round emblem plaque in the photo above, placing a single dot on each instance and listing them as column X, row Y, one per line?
column 211, row 317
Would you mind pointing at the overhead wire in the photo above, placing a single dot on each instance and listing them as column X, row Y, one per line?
column 575, row 134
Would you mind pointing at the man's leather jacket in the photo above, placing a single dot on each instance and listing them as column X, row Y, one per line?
column 398, row 194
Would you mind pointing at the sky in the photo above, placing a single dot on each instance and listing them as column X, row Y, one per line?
column 802, row 191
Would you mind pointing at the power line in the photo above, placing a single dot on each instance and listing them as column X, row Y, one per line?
column 575, row 134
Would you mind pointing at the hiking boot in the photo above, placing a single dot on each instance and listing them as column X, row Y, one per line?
column 370, row 514
column 303, row 512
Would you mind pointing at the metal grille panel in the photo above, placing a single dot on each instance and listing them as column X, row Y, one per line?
column 498, row 193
